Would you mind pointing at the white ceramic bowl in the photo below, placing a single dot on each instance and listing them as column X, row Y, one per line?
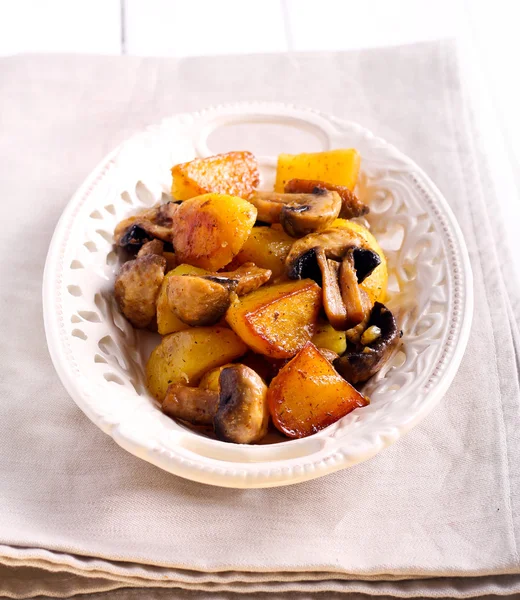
column 100, row 358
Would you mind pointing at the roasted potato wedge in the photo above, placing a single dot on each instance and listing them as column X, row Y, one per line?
column 167, row 320
column 208, row 231
column 185, row 356
column 327, row 337
column 308, row 395
column 376, row 283
column 277, row 320
column 267, row 247
column 338, row 167
column 233, row 173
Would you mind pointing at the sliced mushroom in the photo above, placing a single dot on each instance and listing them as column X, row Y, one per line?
column 195, row 405
column 355, row 300
column 137, row 286
column 149, row 224
column 351, row 206
column 299, row 214
column 248, row 276
column 360, row 361
column 242, row 415
column 332, row 301
column 335, row 241
column 199, row 301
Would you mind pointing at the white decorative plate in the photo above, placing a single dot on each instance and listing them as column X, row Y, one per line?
column 100, row 358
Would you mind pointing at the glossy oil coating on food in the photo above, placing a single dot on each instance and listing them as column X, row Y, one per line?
column 269, row 302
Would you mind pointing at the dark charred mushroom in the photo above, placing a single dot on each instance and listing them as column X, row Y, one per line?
column 199, row 301
column 137, row 286
column 299, row 214
column 194, row 405
column 149, row 224
column 351, row 206
column 242, row 415
column 361, row 361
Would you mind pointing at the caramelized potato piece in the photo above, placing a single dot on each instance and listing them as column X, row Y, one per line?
column 167, row 320
column 208, row 231
column 233, row 173
column 338, row 167
column 210, row 380
column 185, row 356
column 308, row 395
column 279, row 319
column 267, row 248
column 376, row 283
column 326, row 336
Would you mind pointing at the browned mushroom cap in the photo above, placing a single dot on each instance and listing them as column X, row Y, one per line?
column 199, row 301
column 351, row 206
column 360, row 361
column 195, row 405
column 248, row 277
column 137, row 286
column 335, row 241
column 299, row 214
column 242, row 415
column 149, row 224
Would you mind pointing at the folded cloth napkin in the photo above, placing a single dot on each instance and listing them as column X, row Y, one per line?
column 437, row 514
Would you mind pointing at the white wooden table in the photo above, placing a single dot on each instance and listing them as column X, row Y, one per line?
column 486, row 29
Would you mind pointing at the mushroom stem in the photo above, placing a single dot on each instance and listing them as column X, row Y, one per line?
column 355, row 303
column 332, row 301
column 195, row 405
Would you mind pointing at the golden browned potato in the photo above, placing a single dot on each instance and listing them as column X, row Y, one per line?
column 326, row 336
column 167, row 320
column 233, row 173
column 277, row 320
column 208, row 231
column 185, row 356
column 268, row 248
column 339, row 167
column 308, row 395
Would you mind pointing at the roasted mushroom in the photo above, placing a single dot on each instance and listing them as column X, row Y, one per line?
column 335, row 241
column 299, row 214
column 152, row 247
column 351, row 206
column 238, row 412
column 362, row 360
column 242, row 415
column 355, row 300
column 149, row 224
column 199, row 301
column 137, row 286
column 194, row 405
column 316, row 255
column 248, row 277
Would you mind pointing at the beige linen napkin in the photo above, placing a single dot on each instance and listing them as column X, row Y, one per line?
column 434, row 515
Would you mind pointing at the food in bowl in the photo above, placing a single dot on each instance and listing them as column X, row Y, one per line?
column 270, row 304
